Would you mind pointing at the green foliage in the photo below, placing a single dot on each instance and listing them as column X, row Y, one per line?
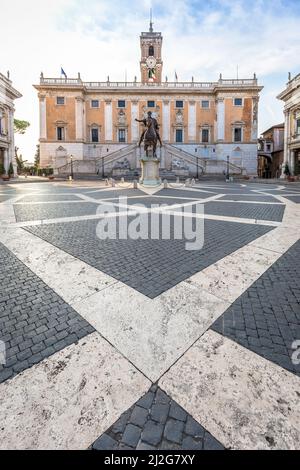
column 2, row 170
column 20, row 127
column 37, row 157
column 11, row 169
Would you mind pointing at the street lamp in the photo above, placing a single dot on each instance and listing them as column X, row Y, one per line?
column 197, row 167
column 71, row 160
column 227, row 174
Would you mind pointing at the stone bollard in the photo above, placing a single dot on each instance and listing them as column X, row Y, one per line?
column 135, row 184
column 113, row 183
column 106, row 182
column 187, row 183
column 165, row 184
column 122, row 180
column 177, row 180
column 193, row 181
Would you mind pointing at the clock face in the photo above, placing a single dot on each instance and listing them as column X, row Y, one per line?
column 151, row 62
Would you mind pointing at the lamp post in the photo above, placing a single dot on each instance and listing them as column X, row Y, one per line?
column 197, row 167
column 227, row 174
column 72, row 174
column 103, row 167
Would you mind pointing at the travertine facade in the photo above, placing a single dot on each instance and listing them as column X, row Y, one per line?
column 200, row 122
column 7, row 146
column 291, row 98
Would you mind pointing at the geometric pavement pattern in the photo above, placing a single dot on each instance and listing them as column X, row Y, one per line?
column 265, row 319
column 156, row 422
column 149, row 266
column 34, row 321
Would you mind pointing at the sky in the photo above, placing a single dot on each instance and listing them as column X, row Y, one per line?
column 100, row 38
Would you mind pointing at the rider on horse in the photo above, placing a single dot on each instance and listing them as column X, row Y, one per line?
column 148, row 123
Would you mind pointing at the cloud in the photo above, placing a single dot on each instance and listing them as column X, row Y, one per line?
column 101, row 38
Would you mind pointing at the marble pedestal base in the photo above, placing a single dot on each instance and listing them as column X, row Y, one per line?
column 150, row 170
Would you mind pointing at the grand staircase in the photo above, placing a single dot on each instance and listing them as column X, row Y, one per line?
column 92, row 168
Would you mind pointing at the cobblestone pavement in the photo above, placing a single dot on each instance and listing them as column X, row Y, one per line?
column 248, row 198
column 266, row 318
column 115, row 193
column 53, row 211
column 34, row 321
column 295, row 199
column 50, row 198
column 156, row 422
column 107, row 348
column 149, row 266
column 248, row 211
column 183, row 193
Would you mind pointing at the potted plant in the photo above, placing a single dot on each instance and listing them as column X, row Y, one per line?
column 10, row 170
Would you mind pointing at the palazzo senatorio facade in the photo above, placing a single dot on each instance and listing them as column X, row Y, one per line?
column 201, row 123
column 7, row 144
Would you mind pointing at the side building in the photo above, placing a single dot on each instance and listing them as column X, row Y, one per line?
column 270, row 152
column 201, row 123
column 7, row 144
column 291, row 98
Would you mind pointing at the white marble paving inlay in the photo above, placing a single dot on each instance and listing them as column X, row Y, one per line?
column 243, row 400
column 68, row 400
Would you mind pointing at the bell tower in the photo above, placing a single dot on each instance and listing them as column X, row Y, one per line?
column 151, row 62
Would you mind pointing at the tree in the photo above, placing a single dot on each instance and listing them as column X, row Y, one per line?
column 20, row 127
column 37, row 157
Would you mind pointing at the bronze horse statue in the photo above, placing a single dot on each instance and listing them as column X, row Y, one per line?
column 150, row 135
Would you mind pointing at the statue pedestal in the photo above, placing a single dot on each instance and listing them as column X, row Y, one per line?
column 150, row 170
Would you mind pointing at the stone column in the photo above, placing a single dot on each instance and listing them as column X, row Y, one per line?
column 108, row 121
column 192, row 121
column 6, row 160
column 12, row 157
column 43, row 119
column 79, row 118
column 166, row 121
column 254, row 119
column 286, row 138
column 292, row 162
column 134, row 124
column 220, row 119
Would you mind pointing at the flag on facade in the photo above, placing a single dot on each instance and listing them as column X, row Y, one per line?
column 176, row 77
column 63, row 72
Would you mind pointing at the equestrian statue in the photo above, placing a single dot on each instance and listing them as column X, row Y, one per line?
column 150, row 135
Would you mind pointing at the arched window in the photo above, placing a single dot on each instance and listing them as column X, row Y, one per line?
column 151, row 51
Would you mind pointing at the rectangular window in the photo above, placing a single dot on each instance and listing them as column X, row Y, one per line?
column 60, row 100
column 237, row 134
column 268, row 147
column 179, row 104
column 122, row 135
column 205, row 104
column 95, row 135
column 238, row 101
column 60, row 133
column 151, row 104
column 205, row 135
column 121, row 104
column 179, row 135
column 95, row 103
column 298, row 127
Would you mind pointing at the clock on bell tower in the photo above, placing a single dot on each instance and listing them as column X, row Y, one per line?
column 151, row 62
